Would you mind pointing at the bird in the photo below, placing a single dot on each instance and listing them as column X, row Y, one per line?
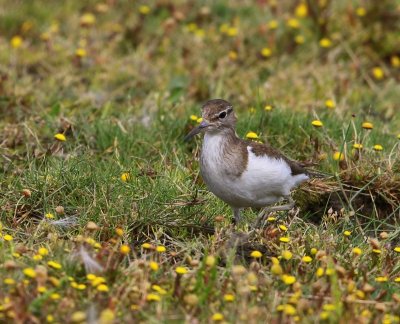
column 240, row 172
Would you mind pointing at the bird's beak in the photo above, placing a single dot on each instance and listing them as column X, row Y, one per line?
column 196, row 130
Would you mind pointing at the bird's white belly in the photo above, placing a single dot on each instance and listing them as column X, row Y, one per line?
column 265, row 180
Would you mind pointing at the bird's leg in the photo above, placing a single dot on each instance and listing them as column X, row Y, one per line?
column 261, row 217
column 236, row 216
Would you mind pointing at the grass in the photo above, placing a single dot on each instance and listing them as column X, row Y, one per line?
column 85, row 221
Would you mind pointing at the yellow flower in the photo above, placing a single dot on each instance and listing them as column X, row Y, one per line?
column 381, row 279
column 210, row 260
column 306, row 259
column 274, row 260
column 397, row 279
column 7, row 237
column 288, row 280
column 9, row 281
column 97, row 281
column 289, row 309
column 273, row 24
column 193, row 117
column 268, row 108
column 153, row 297
column 287, row 255
column 232, row 31
column 147, row 246
column 378, row 147
column 293, row 23
column 233, row 55
column 80, row 52
column 338, row 156
column 317, row 123
column 217, row 317
column 328, row 307
column 361, row 12
column 60, row 137
column 284, row 239
column 346, row 233
column 325, row 42
column 43, row 251
column 91, row 276
column 357, row 146
column 397, row 249
column 144, row 10
column 301, row 10
column 153, row 265
column 271, row 219
column 159, row 289
column 357, row 251
column 125, row 177
column 124, row 249
column 224, row 28
column 313, row 251
column 161, row 249
column 329, row 103
column 266, row 52
column 256, row 254
column 324, row 315
column 78, row 317
column 395, row 61
column 320, row 272
column 367, row 125
column 181, row 270
column 283, row 228
column 102, row 288
column 29, row 272
column 378, row 73
column 299, row 39
column 191, row 27
column 276, row 269
column 107, row 316
column 251, row 135
column 229, row 297
column 54, row 265
column 199, row 120
column 87, row 19
column 377, row 251
column 119, row 231
column 37, row 257
column 49, row 215
column 41, row 289
column 16, row 41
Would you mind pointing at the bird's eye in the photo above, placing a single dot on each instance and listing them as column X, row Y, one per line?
column 222, row 115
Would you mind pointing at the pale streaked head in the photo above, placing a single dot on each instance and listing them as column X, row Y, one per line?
column 217, row 115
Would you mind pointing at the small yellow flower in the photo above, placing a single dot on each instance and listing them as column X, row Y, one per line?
column 293, row 23
column 119, row 231
column 41, row 289
column 153, row 265
column 91, row 276
column 124, row 249
column 144, row 10
column 395, row 61
column 284, row 239
column 320, row 272
column 271, row 219
column 16, row 41
column 329, row 103
column 338, row 156
column 153, row 297
column 43, row 251
column 217, row 317
column 287, row 255
column 125, row 176
column 60, row 137
column 324, row 315
column 283, row 228
column 266, row 52
column 232, row 31
column 29, row 272
column 233, row 55
column 147, row 246
column 210, row 260
column 357, row 146
column 181, row 270
column 381, row 279
column 397, row 249
column 361, row 12
column 377, row 251
column 347, row 233
column 299, row 39
column 50, row 318
column 54, row 265
column 7, row 237
column 102, row 288
column 199, row 120
column 78, row 317
column 193, row 117
column 357, row 251
column 301, row 10
column 289, row 309
column 274, row 260
column 288, row 280
column 49, row 216
column 161, row 249
column 367, row 125
column 37, row 257
column 268, row 108
column 397, row 279
column 229, row 297
column 276, row 269
column 160, row 290
column 306, row 259
column 256, row 254
column 313, row 251
column 87, row 19
column 97, row 281
column 317, row 123
column 378, row 147
column 80, row 52
column 9, row 281
column 325, row 42
column 378, row 73
column 251, row 135
column 273, row 24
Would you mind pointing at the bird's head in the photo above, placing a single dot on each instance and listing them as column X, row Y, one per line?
column 217, row 115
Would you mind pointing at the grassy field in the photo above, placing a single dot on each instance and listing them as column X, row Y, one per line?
column 103, row 215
